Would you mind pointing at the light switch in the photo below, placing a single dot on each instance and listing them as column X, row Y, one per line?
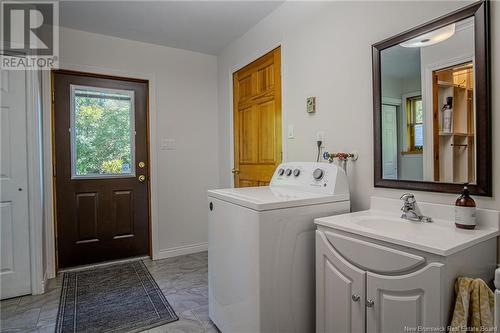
column 168, row 144
column 291, row 130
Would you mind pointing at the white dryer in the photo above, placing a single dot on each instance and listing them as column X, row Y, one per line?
column 261, row 259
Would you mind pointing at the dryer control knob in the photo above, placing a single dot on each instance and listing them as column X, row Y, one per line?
column 318, row 174
column 296, row 172
column 281, row 172
column 288, row 172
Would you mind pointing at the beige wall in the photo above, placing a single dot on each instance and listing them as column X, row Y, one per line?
column 326, row 52
column 186, row 102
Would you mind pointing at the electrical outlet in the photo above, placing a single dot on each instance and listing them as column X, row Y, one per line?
column 320, row 136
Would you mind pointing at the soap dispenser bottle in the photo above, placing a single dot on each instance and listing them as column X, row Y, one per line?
column 465, row 210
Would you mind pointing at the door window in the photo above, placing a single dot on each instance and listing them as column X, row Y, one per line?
column 102, row 132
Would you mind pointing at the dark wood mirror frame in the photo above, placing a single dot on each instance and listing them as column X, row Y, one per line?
column 483, row 186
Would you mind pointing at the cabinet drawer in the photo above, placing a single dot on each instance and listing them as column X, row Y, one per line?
column 373, row 257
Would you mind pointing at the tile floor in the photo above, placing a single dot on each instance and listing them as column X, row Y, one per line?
column 183, row 280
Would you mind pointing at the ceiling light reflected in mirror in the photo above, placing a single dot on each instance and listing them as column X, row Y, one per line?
column 431, row 38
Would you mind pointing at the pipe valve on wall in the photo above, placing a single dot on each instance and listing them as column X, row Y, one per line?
column 342, row 157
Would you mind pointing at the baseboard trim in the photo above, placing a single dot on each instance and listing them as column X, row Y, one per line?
column 181, row 250
column 43, row 285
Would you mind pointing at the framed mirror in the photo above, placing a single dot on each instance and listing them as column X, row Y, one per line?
column 431, row 102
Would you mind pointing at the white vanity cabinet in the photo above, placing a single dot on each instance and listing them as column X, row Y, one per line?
column 365, row 285
column 340, row 291
column 411, row 300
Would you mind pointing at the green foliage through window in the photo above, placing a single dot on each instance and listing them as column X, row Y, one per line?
column 102, row 132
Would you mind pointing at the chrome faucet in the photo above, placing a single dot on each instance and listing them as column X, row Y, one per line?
column 410, row 209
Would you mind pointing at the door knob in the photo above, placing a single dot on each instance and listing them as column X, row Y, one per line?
column 142, row 178
column 355, row 298
column 370, row 303
column 235, row 171
column 142, row 164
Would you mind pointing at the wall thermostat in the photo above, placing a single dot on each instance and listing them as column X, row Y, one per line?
column 311, row 104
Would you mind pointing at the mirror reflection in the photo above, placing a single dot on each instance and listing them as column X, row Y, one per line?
column 428, row 108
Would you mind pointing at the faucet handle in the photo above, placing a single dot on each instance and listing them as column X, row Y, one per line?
column 408, row 198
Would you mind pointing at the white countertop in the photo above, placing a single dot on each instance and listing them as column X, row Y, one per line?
column 441, row 237
column 267, row 198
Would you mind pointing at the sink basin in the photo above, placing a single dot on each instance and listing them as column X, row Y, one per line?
column 383, row 222
column 387, row 222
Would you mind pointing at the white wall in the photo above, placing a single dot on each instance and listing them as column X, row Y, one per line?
column 186, row 101
column 411, row 167
column 326, row 52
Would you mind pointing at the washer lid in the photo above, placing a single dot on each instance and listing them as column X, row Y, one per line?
column 268, row 198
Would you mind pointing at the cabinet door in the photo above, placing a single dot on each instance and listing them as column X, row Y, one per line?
column 401, row 301
column 340, row 296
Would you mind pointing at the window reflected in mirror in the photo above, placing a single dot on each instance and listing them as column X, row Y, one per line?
column 414, row 124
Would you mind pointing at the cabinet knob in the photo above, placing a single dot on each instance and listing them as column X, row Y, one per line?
column 370, row 303
column 355, row 298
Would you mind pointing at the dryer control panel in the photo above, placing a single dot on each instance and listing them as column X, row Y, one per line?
column 311, row 176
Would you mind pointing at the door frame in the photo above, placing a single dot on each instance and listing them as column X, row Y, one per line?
column 49, row 161
column 34, row 127
column 248, row 60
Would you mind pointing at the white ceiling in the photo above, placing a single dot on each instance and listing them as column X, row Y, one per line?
column 202, row 26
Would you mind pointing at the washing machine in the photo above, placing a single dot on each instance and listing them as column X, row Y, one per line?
column 261, row 259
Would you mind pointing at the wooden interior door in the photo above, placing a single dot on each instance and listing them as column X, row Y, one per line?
column 257, row 120
column 101, row 167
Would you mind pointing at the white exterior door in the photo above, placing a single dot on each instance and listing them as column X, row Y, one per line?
column 389, row 142
column 340, row 291
column 15, row 275
column 409, row 301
